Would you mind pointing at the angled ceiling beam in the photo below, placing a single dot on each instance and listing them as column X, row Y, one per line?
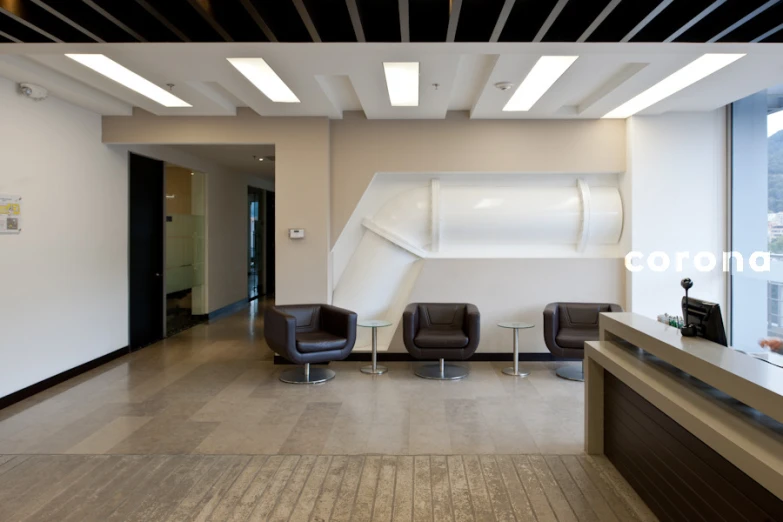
column 10, row 37
column 767, row 34
column 550, row 20
column 163, row 20
column 13, row 10
column 601, row 17
column 54, row 12
column 210, row 19
column 308, row 22
column 647, row 19
column 405, row 28
column 695, row 20
column 625, row 73
column 356, row 20
column 107, row 15
column 502, row 19
column 451, row 33
column 256, row 16
column 742, row 21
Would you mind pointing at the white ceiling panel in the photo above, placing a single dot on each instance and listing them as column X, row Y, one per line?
column 332, row 78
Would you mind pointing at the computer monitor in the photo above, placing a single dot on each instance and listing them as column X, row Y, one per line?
column 706, row 319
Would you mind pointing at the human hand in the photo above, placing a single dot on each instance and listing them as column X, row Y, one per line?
column 773, row 343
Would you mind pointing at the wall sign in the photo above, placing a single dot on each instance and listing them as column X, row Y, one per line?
column 10, row 214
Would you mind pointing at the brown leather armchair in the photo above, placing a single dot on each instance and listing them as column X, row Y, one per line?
column 309, row 334
column 441, row 331
column 567, row 326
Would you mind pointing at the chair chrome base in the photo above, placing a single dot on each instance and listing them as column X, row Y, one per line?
column 306, row 375
column 441, row 372
column 571, row 373
column 379, row 370
column 519, row 373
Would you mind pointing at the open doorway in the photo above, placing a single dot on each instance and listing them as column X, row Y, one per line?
column 261, row 244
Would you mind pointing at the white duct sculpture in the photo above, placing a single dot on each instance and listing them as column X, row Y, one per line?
column 465, row 221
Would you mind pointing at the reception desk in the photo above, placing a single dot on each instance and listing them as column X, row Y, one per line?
column 695, row 427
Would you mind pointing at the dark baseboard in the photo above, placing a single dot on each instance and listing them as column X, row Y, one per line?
column 228, row 309
column 31, row 390
column 403, row 356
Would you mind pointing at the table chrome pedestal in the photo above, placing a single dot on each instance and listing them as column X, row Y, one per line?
column 516, row 326
column 374, row 368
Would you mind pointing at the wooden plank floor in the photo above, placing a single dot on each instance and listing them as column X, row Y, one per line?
column 314, row 488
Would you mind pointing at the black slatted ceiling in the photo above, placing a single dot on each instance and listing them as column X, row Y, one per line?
column 429, row 20
column 83, row 15
column 574, row 19
column 757, row 26
column 777, row 37
column 380, row 20
column 138, row 19
column 525, row 19
column 671, row 20
column 184, row 17
column 623, row 19
column 477, row 20
column 332, row 20
column 720, row 19
column 22, row 32
column 47, row 22
column 283, row 19
column 234, row 19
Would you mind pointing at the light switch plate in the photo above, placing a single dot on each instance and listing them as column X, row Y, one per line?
column 296, row 233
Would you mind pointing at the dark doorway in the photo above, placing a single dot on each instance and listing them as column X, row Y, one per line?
column 256, row 243
column 261, row 243
column 146, row 251
column 269, row 251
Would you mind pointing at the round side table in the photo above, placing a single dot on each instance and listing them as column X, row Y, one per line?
column 516, row 326
column 374, row 369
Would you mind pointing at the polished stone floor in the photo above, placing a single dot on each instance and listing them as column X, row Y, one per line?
column 199, row 427
column 214, row 390
column 104, row 488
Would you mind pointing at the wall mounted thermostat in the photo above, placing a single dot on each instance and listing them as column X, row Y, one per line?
column 296, row 233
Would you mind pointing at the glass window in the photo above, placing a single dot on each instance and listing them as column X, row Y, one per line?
column 757, row 216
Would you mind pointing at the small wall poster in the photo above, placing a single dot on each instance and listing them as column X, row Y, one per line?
column 10, row 214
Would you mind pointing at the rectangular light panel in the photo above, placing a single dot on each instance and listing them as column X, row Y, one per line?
column 265, row 79
column 114, row 71
column 402, row 80
column 697, row 70
column 541, row 77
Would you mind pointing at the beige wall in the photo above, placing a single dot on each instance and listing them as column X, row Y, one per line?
column 323, row 168
column 301, row 185
column 361, row 148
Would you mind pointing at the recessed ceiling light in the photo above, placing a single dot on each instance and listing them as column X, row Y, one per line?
column 260, row 159
column 697, row 70
column 114, row 71
column 402, row 80
column 265, row 79
column 541, row 77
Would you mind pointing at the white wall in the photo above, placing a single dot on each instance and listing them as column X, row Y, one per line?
column 64, row 279
column 676, row 194
column 227, row 223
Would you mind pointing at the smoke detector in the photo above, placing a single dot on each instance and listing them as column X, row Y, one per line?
column 504, row 86
column 33, row 91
